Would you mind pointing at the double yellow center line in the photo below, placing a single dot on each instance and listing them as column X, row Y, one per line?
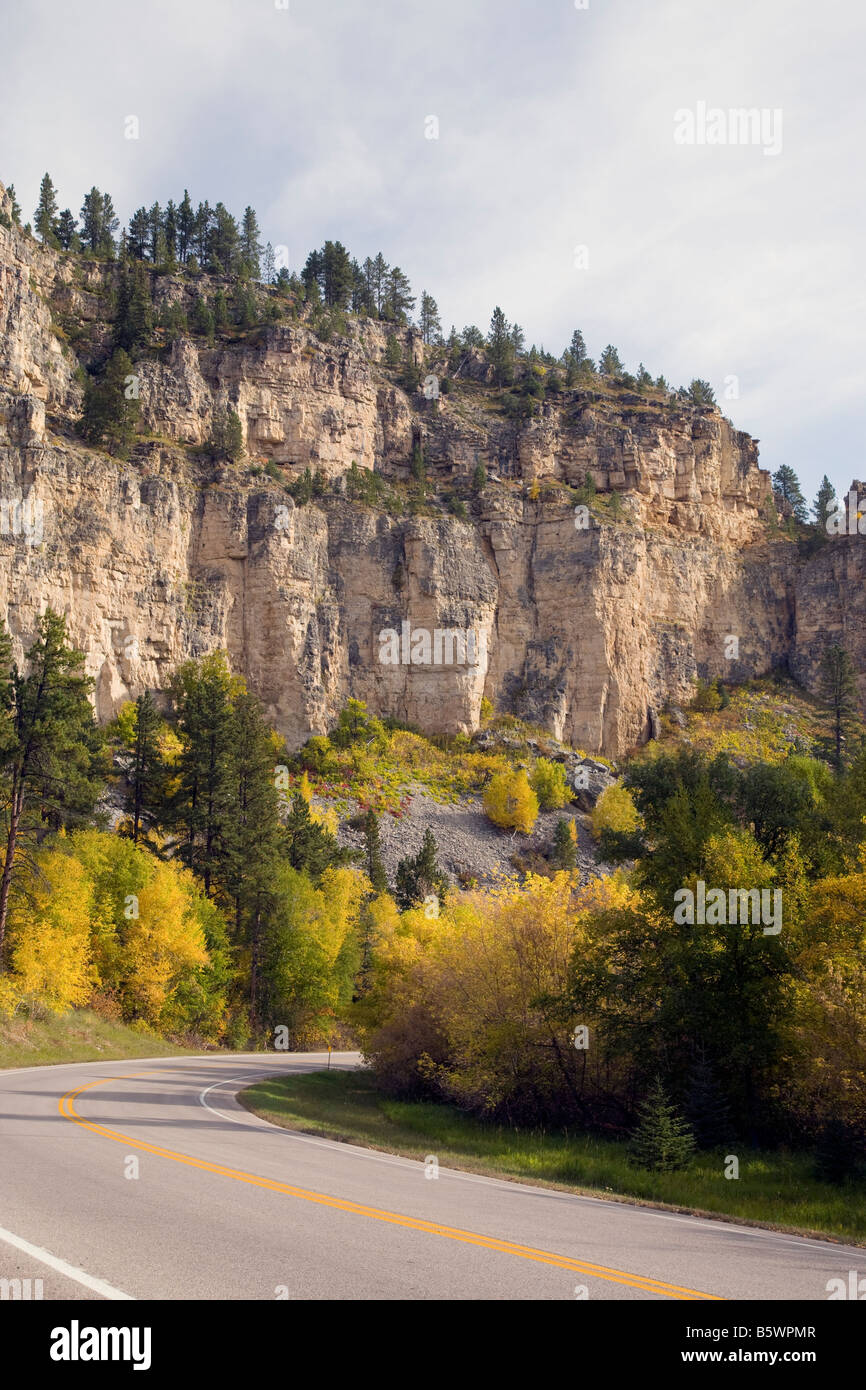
column 506, row 1247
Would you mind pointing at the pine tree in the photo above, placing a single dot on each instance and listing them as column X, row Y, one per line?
column 134, row 322
column 823, row 504
column 252, row 837
column 143, row 765
column 223, row 242
column 610, row 363
column 428, row 318
column 201, row 805
column 500, row 348
column 202, row 319
column 706, row 1109
column 250, row 246
column 49, row 745
column 564, row 847
column 156, row 235
column 226, row 440
column 399, row 300
column 786, row 487
column 662, row 1141
column 110, row 410
column 576, row 350
column 420, row 877
column 16, row 206
column 268, row 264
column 839, row 687
column 220, row 311
column 139, row 231
column 479, row 478
column 701, row 393
column 66, row 231
column 46, row 212
column 185, row 228
column 336, row 277
column 375, row 865
column 311, row 847
column 170, row 232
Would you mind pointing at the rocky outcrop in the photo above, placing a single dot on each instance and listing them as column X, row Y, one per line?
column 585, row 624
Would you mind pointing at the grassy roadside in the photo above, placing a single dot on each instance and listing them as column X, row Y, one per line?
column 774, row 1189
column 78, row 1036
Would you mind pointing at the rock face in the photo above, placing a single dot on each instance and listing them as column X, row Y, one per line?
column 585, row 626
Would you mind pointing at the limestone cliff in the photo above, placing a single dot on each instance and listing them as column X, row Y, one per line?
column 585, row 629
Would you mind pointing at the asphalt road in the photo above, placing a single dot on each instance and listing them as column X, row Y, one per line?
column 147, row 1179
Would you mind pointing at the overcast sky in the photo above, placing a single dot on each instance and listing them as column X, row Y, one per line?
column 556, row 130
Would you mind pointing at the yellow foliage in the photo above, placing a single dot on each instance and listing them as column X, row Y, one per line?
column 510, row 801
column 49, row 933
column 164, row 942
column 615, row 810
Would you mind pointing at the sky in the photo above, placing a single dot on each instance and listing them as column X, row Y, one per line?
column 542, row 155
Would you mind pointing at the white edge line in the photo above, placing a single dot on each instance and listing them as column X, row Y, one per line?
column 720, row 1227
column 68, row 1271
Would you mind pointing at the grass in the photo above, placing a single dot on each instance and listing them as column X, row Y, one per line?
column 77, row 1036
column 774, row 1189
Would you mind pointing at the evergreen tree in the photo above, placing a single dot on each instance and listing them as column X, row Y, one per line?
column 399, row 300
column 786, row 487
column 223, row 242
column 479, row 478
column 336, row 275
column 576, row 352
column 201, row 238
column 373, row 844
column 139, row 232
column 706, row 1109
column 245, row 310
column 311, row 847
column 46, row 212
column 839, row 687
column 250, row 246
column 110, row 410
column 518, row 341
column 564, row 847
column 701, row 393
column 49, row 744
column 143, row 766
column 170, row 231
column 823, row 504
column 252, row 838
column 313, row 275
column 662, row 1140
column 420, row 877
column 66, row 231
column 201, row 805
column 157, row 246
column 610, row 363
column 220, row 311
column 428, row 319
column 268, row 265
column 134, row 322
column 202, row 319
column 16, row 206
column 186, row 227
column 500, row 347
column 226, row 440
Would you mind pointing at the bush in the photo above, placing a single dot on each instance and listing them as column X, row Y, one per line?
column 510, row 802
column 662, row 1140
column 614, row 811
column 550, row 785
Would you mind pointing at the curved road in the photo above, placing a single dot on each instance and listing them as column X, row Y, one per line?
column 147, row 1179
